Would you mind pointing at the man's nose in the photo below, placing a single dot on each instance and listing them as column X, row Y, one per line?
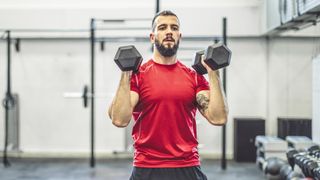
column 169, row 31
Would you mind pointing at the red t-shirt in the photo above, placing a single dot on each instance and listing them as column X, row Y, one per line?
column 164, row 132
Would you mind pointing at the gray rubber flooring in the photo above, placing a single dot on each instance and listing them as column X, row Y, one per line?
column 112, row 169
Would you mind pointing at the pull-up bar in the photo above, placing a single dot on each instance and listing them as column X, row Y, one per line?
column 122, row 20
column 93, row 29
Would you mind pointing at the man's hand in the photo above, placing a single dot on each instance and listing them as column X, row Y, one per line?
column 210, row 71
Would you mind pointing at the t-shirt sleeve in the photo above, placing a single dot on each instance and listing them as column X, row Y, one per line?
column 202, row 83
column 134, row 83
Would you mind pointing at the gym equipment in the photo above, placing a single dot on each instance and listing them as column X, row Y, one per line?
column 128, row 58
column 85, row 96
column 295, row 176
column 287, row 173
column 271, row 143
column 317, row 173
column 216, row 56
column 299, row 142
column 260, row 162
column 270, row 146
column 285, row 170
column 290, row 153
column 273, row 166
column 307, row 160
column 267, row 154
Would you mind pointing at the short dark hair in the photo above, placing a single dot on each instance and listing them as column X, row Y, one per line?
column 162, row 13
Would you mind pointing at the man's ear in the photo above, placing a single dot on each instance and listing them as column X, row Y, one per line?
column 151, row 36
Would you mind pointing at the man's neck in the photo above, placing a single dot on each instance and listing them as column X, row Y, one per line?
column 158, row 58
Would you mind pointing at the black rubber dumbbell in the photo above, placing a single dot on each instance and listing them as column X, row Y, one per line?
column 313, row 148
column 317, row 173
column 128, row 58
column 290, row 156
column 311, row 166
column 307, row 167
column 308, row 164
column 216, row 56
column 298, row 158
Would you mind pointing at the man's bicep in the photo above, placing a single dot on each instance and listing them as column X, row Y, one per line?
column 203, row 102
column 134, row 98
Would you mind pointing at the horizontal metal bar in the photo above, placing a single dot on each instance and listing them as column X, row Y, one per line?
column 122, row 20
column 123, row 28
column 190, row 48
column 3, row 35
column 72, row 30
column 45, row 30
column 78, row 95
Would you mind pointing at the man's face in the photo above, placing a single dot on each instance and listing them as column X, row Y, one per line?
column 166, row 35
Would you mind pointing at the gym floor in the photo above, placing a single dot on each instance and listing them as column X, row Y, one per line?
column 115, row 169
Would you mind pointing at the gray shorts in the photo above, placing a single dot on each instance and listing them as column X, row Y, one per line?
column 184, row 173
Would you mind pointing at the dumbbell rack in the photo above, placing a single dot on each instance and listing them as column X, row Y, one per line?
column 308, row 161
column 303, row 157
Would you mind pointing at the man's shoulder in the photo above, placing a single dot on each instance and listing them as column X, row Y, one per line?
column 146, row 64
column 186, row 68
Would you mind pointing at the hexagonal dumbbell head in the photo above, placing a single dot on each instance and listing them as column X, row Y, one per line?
column 217, row 56
column 317, row 173
column 128, row 58
column 197, row 63
column 290, row 156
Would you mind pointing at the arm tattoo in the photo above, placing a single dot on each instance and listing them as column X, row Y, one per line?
column 203, row 102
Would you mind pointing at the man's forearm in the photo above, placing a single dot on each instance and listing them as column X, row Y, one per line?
column 120, row 110
column 217, row 108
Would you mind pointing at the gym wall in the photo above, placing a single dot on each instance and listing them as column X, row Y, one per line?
column 196, row 19
column 316, row 99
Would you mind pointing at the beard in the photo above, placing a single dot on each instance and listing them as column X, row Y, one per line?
column 167, row 52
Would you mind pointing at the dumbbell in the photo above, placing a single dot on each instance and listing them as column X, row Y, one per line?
column 314, row 151
column 291, row 160
column 308, row 166
column 128, row 58
column 304, row 160
column 216, row 56
column 317, row 173
column 294, row 156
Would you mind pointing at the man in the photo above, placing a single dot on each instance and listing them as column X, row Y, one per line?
column 163, row 97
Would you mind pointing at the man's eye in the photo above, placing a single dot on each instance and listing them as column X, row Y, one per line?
column 162, row 28
column 175, row 28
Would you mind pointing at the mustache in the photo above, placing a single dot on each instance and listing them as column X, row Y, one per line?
column 169, row 39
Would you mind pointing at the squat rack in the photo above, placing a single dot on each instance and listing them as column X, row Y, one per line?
column 93, row 29
column 9, row 101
